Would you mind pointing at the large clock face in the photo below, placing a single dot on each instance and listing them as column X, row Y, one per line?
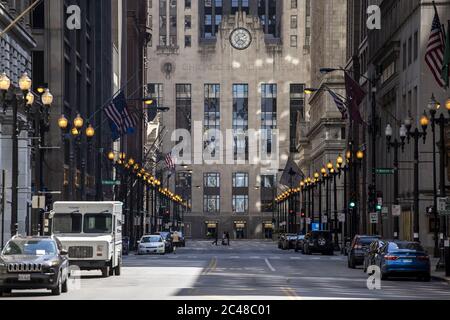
column 240, row 38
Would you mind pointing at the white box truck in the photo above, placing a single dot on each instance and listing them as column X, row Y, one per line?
column 91, row 232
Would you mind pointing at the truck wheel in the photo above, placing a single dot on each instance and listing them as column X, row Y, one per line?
column 111, row 271
column 117, row 270
column 105, row 272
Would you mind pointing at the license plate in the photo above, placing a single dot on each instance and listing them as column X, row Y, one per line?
column 407, row 260
column 24, row 277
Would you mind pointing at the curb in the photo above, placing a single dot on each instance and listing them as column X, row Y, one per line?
column 440, row 278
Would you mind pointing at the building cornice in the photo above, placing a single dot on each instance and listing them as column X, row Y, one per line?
column 18, row 30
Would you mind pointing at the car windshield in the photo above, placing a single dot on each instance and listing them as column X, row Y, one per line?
column 366, row 241
column 67, row 223
column 395, row 246
column 97, row 223
column 30, row 248
column 151, row 239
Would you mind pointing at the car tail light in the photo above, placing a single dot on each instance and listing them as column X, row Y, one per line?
column 357, row 247
column 391, row 258
column 423, row 258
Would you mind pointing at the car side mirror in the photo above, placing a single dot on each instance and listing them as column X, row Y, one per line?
column 64, row 252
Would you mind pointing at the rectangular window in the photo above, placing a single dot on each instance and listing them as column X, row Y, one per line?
column 294, row 41
column 187, row 4
column 155, row 91
column 405, row 56
column 268, row 192
column 410, row 54
column 183, row 106
column 293, row 4
column 240, row 121
column 267, row 12
column 240, row 204
column 297, row 111
column 308, row 23
column 187, row 22
column 184, row 186
column 240, row 180
column 268, row 114
column 213, row 11
column 211, row 117
column 38, row 17
column 416, row 45
column 187, row 41
column 211, row 180
column 211, row 203
column 293, row 22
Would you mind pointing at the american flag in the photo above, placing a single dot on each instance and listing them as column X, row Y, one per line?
column 435, row 50
column 169, row 161
column 121, row 121
column 340, row 104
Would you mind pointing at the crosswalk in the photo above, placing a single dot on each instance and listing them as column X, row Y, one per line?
column 234, row 257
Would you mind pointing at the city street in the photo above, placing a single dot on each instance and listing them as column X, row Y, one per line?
column 245, row 270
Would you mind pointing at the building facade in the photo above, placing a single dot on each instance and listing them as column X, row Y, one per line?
column 395, row 58
column 77, row 65
column 236, row 66
column 323, row 136
column 15, row 59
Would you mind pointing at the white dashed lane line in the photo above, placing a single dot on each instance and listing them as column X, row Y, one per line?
column 270, row 265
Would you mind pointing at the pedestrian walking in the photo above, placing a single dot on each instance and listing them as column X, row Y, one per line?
column 228, row 238
column 216, row 240
column 224, row 238
column 175, row 241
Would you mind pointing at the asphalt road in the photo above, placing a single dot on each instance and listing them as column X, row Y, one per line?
column 245, row 270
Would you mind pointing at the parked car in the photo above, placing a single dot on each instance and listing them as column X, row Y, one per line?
column 151, row 244
column 403, row 258
column 318, row 242
column 372, row 252
column 287, row 241
column 28, row 263
column 358, row 249
column 299, row 243
column 167, row 236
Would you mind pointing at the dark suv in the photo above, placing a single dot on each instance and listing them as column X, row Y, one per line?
column 318, row 242
column 358, row 249
column 28, row 263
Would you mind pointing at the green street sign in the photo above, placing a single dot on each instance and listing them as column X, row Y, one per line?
column 111, row 183
column 385, row 171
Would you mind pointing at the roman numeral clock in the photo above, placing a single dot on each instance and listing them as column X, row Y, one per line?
column 240, row 38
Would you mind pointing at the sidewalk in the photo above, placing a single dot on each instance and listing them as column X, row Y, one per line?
column 438, row 275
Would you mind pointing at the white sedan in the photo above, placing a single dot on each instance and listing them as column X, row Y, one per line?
column 151, row 244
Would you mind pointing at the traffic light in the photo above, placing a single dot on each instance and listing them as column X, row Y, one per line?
column 378, row 207
column 352, row 204
column 303, row 213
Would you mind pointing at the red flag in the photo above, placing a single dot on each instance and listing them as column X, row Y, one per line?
column 355, row 96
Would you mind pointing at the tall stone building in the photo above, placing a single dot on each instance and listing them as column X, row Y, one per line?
column 323, row 138
column 80, row 67
column 15, row 59
column 395, row 56
column 239, row 66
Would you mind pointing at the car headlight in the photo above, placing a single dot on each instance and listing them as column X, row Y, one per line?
column 53, row 263
column 161, row 245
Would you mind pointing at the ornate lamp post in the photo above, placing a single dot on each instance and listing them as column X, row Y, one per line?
column 416, row 135
column 14, row 97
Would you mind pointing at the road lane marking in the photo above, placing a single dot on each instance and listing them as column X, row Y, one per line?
column 270, row 265
column 211, row 267
column 290, row 293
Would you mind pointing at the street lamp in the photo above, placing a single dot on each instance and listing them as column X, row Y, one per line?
column 396, row 145
column 416, row 135
column 75, row 136
column 433, row 107
column 14, row 100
